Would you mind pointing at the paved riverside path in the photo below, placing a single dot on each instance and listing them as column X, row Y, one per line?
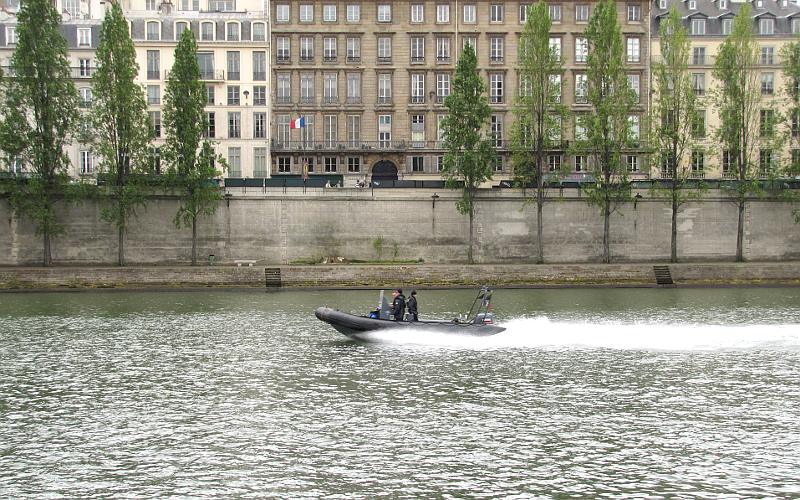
column 382, row 276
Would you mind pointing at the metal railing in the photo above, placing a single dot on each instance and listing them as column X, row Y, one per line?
column 209, row 75
column 345, row 146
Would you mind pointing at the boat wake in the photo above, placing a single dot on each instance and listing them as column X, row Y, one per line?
column 542, row 333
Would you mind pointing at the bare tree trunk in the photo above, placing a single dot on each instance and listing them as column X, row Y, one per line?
column 740, row 233
column 539, row 230
column 194, row 241
column 47, row 258
column 471, row 235
column 606, row 226
column 673, row 254
column 121, row 246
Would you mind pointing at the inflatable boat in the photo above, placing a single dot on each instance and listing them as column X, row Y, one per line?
column 481, row 324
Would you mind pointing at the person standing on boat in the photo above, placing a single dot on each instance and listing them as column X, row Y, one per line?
column 398, row 304
column 412, row 307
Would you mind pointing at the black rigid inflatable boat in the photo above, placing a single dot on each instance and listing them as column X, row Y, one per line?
column 479, row 325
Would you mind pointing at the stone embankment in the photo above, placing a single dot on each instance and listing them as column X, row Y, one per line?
column 384, row 276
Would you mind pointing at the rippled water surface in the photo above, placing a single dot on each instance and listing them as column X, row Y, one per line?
column 589, row 393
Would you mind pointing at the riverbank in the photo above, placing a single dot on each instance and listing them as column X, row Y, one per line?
column 385, row 276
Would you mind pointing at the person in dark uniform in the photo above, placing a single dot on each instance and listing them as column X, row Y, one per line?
column 398, row 304
column 412, row 306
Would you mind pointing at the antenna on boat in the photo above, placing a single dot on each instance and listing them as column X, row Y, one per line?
column 485, row 296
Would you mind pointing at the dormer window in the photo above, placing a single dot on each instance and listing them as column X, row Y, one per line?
column 153, row 30
column 662, row 4
column 759, row 3
column 232, row 32
column 698, row 26
column 766, row 26
column 723, row 4
column 692, row 4
column 180, row 27
column 207, row 31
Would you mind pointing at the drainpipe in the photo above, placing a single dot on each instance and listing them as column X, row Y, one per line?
column 268, row 15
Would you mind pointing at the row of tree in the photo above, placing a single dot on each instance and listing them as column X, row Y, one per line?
column 39, row 118
column 746, row 122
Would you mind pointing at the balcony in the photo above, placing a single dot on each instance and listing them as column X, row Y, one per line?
column 354, row 59
column 283, row 58
column 417, row 59
column 210, row 75
column 259, row 76
column 385, row 60
column 417, row 99
column 306, row 58
column 330, row 99
column 496, row 99
column 496, row 59
column 77, row 73
column 355, row 100
column 153, row 74
column 384, row 101
column 283, row 99
column 343, row 146
column 443, row 59
column 308, row 100
column 329, row 58
column 234, row 76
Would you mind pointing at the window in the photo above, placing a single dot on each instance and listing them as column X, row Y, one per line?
column 634, row 83
column 234, row 124
column 443, row 13
column 86, row 162
column 766, row 26
column 692, row 4
column 329, row 13
column 354, row 88
column 180, row 27
column 86, row 97
column 767, row 83
column 634, row 129
column 496, row 13
column 284, row 83
column 555, row 47
column 153, row 32
column 353, row 13
column 221, row 5
column 384, row 13
column 207, row 31
column 85, row 35
column 796, row 25
column 633, row 163
column 633, row 49
column 210, row 95
column 699, row 124
column 71, row 7
column 442, row 87
column 496, row 130
column 417, row 13
column 283, row 123
column 766, row 123
column 259, row 32
column 234, row 162
column 353, row 164
column 581, row 49
column 472, row 41
column 417, row 131
column 232, row 32
column 554, row 163
column 284, row 165
column 384, row 131
column 307, row 133
column 581, row 88
column 496, row 49
column 153, row 95
column 330, row 124
column 233, row 65
column 306, row 13
column 331, row 164
column 282, row 13
column 443, row 49
column 211, row 125
column 723, row 4
column 384, row 49
column 523, row 12
column 634, row 13
column 555, row 88
column 555, row 12
column 764, row 162
column 259, row 162
column 150, row 5
column 727, row 164
column 353, row 130
column 417, row 88
column 307, row 88
column 353, row 49
column 417, row 164
column 698, row 163
column 233, row 95
column 259, row 125
column 11, row 35
column 205, row 61
column 699, row 83
column 580, row 163
column 331, row 88
column 698, row 27
column 155, row 122
column 727, row 25
column 582, row 13
column 329, row 48
column 85, row 68
column 580, row 129
column 282, row 48
column 259, row 65
column 698, row 56
column 417, row 49
column 469, row 13
column 795, row 124
column 306, row 48
column 767, row 56
column 259, row 95
column 439, row 130
column 496, row 88
column 384, row 88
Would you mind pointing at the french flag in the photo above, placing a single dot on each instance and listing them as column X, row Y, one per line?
column 299, row 122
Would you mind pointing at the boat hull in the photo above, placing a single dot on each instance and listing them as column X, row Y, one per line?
column 355, row 326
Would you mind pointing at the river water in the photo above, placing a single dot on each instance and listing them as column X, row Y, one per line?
column 598, row 393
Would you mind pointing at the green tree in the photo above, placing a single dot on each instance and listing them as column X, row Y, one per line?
column 607, row 126
column 469, row 156
column 39, row 115
column 748, row 125
column 790, row 57
column 120, row 123
column 538, row 110
column 677, row 121
column 190, row 160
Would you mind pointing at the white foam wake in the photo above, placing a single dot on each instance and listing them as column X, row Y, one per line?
column 545, row 334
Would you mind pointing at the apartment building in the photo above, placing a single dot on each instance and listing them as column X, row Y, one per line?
column 81, row 20
column 232, row 38
column 359, row 86
column 708, row 22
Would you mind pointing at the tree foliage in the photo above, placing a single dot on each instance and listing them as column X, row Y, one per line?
column 190, row 159
column 470, row 155
column 538, row 110
column 607, row 126
column 120, row 123
column 38, row 117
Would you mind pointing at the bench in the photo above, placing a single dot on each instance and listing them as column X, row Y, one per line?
column 244, row 261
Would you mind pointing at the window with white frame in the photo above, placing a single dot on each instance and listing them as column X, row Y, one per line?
column 329, row 48
column 384, row 88
column 153, row 65
column 496, row 13
column 525, row 87
column 283, row 123
column 282, row 13
column 234, row 124
column 259, row 32
column 580, row 163
column 555, row 46
column 496, row 88
column 766, row 26
column 354, row 88
column 234, row 96
column 282, row 49
column 634, row 83
column 698, row 162
column 150, row 5
column 232, row 32
column 440, row 129
column 284, row 164
column 634, row 13
column 417, row 13
column 234, row 161
column 523, row 12
column 86, row 97
column 633, row 163
column 155, row 123
column 417, row 163
column 11, row 35
column 581, row 12
column 384, row 13
column 329, row 13
column 354, row 130
column 767, row 83
column 555, row 87
column 260, row 162
column 443, row 49
column 417, row 49
column 180, row 27
column 353, row 164
column 496, row 130
column 330, row 130
column 259, row 125
column 417, row 131
column 699, row 124
column 442, row 87
column 699, row 83
column 154, row 95
column 87, row 166
column 417, row 88
column 85, row 34
column 634, row 128
column 581, row 49
column 234, row 64
column 207, row 29
column 85, row 68
column 698, row 26
column 633, row 45
column 727, row 25
column 259, row 95
column 469, row 13
column 353, row 49
column 307, row 88
column 306, row 13
column 306, row 48
column 72, row 7
column 443, row 13
column 554, row 9
column 472, row 41
column 554, row 163
column 767, row 56
column 384, row 49
column 330, row 88
column 189, row 5
column 692, row 4
column 331, row 164
column 353, row 13
column 153, row 32
column 698, row 56
column 496, row 46
column 581, row 88
column 384, row 131
column 795, row 25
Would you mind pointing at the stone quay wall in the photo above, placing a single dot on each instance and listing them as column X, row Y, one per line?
column 284, row 227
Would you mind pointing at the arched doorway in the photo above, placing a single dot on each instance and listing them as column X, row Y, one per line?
column 384, row 170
